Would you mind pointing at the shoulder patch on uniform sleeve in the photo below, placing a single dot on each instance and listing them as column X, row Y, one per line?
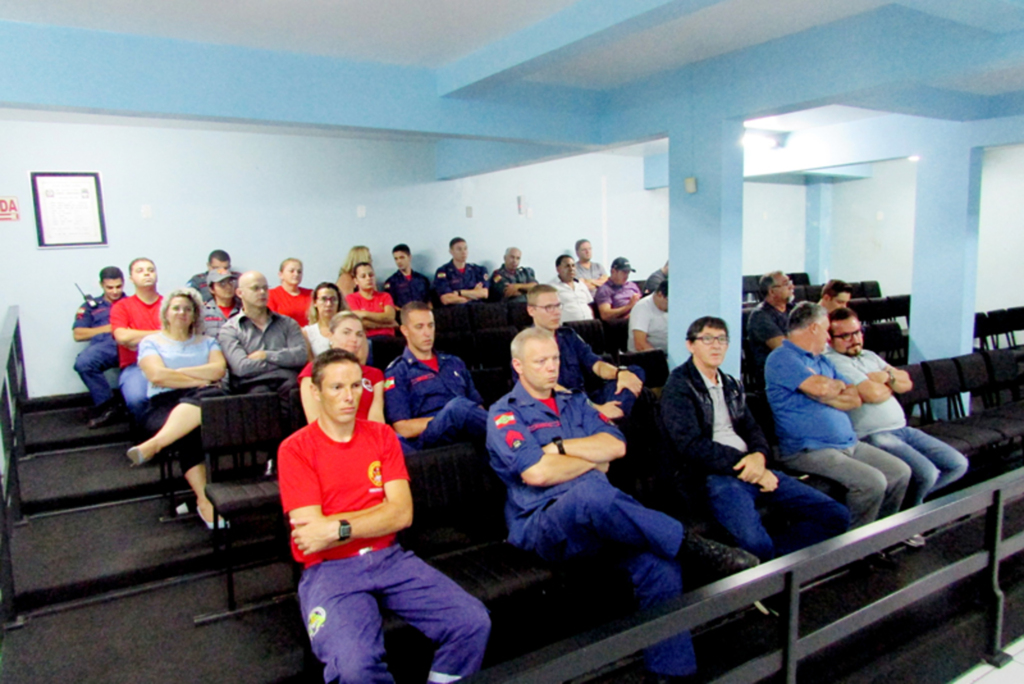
column 513, row 439
column 504, row 420
column 441, row 274
column 389, row 383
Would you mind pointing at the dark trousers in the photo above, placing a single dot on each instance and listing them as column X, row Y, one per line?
column 90, row 365
column 460, row 420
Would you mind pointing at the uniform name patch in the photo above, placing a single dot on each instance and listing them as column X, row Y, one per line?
column 504, row 420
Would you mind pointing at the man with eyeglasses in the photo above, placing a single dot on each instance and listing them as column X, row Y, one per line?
column 623, row 384
column 717, row 440
column 572, row 293
column 880, row 420
column 769, row 322
column 810, row 400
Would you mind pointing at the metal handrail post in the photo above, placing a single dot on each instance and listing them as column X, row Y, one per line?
column 993, row 544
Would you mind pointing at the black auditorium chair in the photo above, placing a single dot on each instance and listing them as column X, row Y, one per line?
column 858, row 290
column 452, row 318
column 944, row 383
column 457, row 343
column 871, row 288
column 981, row 331
column 1005, row 374
column 887, row 340
column 1007, row 419
column 492, row 383
column 488, row 315
column 654, row 363
column 245, row 428
column 387, row 348
column 592, row 332
column 900, row 307
column 494, row 347
column 517, row 315
column 799, row 293
column 862, row 307
column 916, row 405
column 799, row 278
column 813, row 292
column 615, row 335
column 751, row 289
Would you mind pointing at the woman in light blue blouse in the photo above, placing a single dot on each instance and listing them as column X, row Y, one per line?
column 183, row 367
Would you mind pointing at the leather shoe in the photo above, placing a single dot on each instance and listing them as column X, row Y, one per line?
column 716, row 558
column 109, row 415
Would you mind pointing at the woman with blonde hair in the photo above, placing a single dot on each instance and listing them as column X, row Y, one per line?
column 347, row 333
column 288, row 299
column 183, row 367
column 347, row 275
column 327, row 301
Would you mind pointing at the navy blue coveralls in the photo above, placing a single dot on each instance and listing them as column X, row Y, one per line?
column 578, row 359
column 100, row 355
column 403, row 290
column 412, row 389
column 448, row 279
column 586, row 516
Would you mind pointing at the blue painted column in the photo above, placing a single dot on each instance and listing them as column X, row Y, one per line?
column 945, row 250
column 818, row 230
column 706, row 231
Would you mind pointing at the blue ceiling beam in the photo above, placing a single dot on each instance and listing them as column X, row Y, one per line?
column 586, row 25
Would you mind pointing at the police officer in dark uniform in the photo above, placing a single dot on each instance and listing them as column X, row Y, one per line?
column 458, row 282
column 92, row 324
column 429, row 397
column 511, row 281
column 552, row 450
column 406, row 285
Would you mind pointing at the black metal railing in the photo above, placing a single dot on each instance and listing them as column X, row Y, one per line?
column 610, row 643
column 13, row 394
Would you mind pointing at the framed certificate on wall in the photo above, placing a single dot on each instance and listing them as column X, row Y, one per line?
column 69, row 209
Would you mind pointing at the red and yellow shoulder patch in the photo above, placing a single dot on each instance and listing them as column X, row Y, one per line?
column 389, row 383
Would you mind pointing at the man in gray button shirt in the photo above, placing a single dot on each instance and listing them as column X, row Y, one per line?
column 264, row 350
column 880, row 420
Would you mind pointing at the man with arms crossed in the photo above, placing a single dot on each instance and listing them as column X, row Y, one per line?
column 429, row 397
column 511, row 282
column 459, row 282
column 552, row 450
column 810, row 400
column 591, row 273
column 880, row 420
column 707, row 418
column 92, row 325
column 132, row 319
column 346, row 491
column 406, row 285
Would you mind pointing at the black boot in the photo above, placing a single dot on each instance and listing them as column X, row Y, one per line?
column 718, row 559
column 109, row 412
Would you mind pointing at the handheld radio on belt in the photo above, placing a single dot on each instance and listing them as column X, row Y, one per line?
column 89, row 299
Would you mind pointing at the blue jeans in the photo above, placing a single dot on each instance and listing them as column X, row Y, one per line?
column 933, row 463
column 90, row 364
column 813, row 516
column 134, row 389
column 461, row 419
column 625, row 398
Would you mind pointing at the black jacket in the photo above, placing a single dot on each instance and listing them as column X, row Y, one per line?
column 688, row 415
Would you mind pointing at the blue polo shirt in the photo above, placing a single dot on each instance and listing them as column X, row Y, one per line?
column 412, row 389
column 803, row 423
column 448, row 279
column 88, row 317
column 577, row 359
column 518, row 427
column 415, row 288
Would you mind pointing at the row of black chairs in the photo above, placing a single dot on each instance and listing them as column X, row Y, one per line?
column 998, row 329
column 805, row 290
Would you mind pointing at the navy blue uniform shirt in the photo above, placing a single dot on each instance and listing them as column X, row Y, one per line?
column 518, row 427
column 577, row 359
column 448, row 279
column 412, row 389
column 403, row 290
column 88, row 317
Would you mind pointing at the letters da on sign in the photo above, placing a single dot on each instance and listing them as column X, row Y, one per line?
column 9, row 209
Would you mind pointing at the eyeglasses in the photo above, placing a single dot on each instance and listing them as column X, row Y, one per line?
column 711, row 339
column 845, row 336
column 550, row 308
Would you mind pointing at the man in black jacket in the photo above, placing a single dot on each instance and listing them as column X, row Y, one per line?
column 707, row 418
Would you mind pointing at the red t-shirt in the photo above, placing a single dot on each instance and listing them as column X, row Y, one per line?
column 314, row 470
column 134, row 314
column 375, row 304
column 292, row 306
column 551, row 404
column 371, row 376
column 432, row 363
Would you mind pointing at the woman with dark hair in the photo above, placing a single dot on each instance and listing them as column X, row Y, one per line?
column 183, row 367
column 327, row 301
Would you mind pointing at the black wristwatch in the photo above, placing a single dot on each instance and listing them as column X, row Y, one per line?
column 344, row 530
column 557, row 441
column 619, row 371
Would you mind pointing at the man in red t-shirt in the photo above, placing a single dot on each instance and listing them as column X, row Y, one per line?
column 376, row 309
column 132, row 319
column 346, row 490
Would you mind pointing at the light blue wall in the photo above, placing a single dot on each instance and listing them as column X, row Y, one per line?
column 264, row 197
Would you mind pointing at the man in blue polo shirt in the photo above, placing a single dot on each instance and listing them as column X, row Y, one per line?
column 406, row 285
column 459, row 282
column 810, row 399
column 552, row 450
column 622, row 385
column 92, row 325
column 429, row 397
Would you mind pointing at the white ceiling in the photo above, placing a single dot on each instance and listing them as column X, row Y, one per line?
column 426, row 33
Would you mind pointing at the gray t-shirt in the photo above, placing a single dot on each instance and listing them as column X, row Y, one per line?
column 869, row 418
column 722, row 430
column 592, row 272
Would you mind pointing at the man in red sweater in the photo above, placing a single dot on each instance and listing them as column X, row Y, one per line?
column 132, row 319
